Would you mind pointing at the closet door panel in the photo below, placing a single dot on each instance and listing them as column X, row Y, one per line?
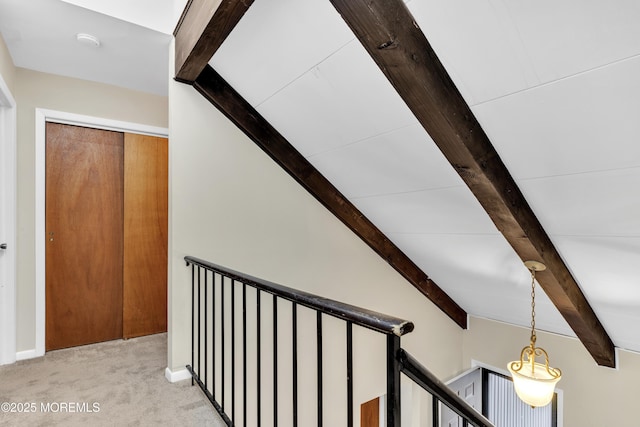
column 145, row 235
column 84, row 223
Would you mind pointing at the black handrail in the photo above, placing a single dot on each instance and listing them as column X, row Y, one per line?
column 425, row 379
column 210, row 308
column 351, row 313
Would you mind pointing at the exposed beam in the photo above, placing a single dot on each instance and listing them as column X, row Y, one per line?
column 202, row 28
column 243, row 115
column 389, row 33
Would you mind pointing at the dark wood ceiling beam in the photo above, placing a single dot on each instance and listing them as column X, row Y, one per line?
column 389, row 33
column 246, row 118
column 202, row 28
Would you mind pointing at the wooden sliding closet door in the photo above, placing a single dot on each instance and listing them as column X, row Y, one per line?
column 145, row 235
column 84, row 222
column 106, row 225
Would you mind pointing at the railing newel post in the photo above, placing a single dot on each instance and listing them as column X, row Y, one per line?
column 435, row 411
column 393, row 381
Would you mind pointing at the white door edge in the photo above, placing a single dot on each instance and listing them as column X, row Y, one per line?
column 8, row 168
column 42, row 117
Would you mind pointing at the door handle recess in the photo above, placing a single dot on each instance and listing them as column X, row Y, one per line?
column 3, row 246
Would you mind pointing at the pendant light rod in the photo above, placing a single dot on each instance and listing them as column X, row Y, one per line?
column 534, row 266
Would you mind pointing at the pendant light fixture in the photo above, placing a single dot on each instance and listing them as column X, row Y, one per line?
column 534, row 382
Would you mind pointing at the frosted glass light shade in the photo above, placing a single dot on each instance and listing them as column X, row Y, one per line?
column 534, row 388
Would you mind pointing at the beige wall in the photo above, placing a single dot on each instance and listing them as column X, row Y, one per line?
column 593, row 396
column 7, row 69
column 39, row 90
column 232, row 205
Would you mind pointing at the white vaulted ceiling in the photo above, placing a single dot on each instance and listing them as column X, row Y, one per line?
column 554, row 85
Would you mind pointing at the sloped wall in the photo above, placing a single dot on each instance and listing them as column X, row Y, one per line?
column 232, row 205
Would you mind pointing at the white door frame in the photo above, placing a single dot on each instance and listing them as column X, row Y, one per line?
column 42, row 117
column 8, row 182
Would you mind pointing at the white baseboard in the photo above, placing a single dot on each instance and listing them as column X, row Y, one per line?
column 8, row 360
column 27, row 354
column 175, row 376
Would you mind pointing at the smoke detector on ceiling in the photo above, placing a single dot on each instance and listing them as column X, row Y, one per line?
column 88, row 39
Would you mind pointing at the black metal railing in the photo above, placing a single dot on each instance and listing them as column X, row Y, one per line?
column 440, row 392
column 214, row 349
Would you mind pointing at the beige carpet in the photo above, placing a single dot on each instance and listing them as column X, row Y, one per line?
column 117, row 383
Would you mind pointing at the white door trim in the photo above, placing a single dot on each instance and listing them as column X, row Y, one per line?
column 8, row 168
column 42, row 117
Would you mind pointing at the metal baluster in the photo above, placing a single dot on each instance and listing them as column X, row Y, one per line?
column 319, row 364
column 244, row 354
column 294, row 319
column 233, row 350
column 199, row 334
column 275, row 360
column 206, row 359
column 349, row 374
column 213, row 327
column 222, row 354
column 258, row 373
column 193, row 313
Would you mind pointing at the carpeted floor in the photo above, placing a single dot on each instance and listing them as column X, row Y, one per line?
column 117, row 383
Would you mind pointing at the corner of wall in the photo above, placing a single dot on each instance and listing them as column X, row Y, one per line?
column 173, row 376
column 7, row 67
